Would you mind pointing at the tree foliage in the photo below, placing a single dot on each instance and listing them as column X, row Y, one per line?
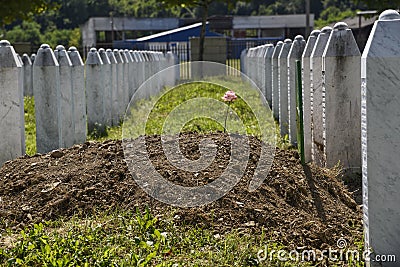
column 28, row 31
column 141, row 9
column 51, row 17
column 333, row 14
column 21, row 9
column 380, row 5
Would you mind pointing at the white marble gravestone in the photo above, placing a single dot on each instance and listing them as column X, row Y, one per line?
column 317, row 128
column 269, row 50
column 170, row 75
column 260, row 71
column 250, row 68
column 125, row 71
column 67, row 101
column 131, row 75
column 78, row 94
column 114, row 88
column 306, row 72
column 135, row 72
column 342, row 122
column 120, row 84
column 107, row 79
column 46, row 89
column 275, row 81
column 95, row 92
column 295, row 53
column 139, row 68
column 380, row 117
column 12, row 130
column 283, row 87
column 28, row 81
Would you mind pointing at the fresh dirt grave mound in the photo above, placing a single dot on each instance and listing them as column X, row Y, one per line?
column 297, row 205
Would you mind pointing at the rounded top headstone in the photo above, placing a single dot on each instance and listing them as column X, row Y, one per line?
column 62, row 56
column 45, row 57
column 5, row 43
column 8, row 57
column 299, row 38
column 279, row 43
column 111, row 56
column 315, row 33
column 93, row 57
column 340, row 26
column 26, row 60
column 326, row 29
column 60, row 47
column 45, row 46
column 270, row 45
column 74, row 56
column 389, row 14
column 104, row 57
column 287, row 41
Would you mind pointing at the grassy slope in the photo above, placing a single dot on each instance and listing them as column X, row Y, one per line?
column 130, row 239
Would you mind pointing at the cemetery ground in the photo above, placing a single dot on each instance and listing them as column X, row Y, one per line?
column 80, row 206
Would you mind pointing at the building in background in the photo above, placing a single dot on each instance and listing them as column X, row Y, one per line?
column 104, row 32
column 176, row 40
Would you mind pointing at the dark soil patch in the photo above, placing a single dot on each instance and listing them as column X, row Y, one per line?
column 297, row 205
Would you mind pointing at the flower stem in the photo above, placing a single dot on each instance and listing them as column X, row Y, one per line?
column 227, row 110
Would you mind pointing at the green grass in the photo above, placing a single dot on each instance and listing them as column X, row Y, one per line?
column 30, row 125
column 112, row 133
column 198, row 107
column 137, row 239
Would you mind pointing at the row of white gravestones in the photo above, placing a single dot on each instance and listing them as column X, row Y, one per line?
column 72, row 97
column 112, row 78
column 351, row 108
column 273, row 70
column 254, row 63
column 331, row 65
column 332, row 98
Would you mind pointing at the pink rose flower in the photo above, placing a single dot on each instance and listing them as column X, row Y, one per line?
column 229, row 96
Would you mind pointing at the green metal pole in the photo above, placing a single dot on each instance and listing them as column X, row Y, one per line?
column 299, row 113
